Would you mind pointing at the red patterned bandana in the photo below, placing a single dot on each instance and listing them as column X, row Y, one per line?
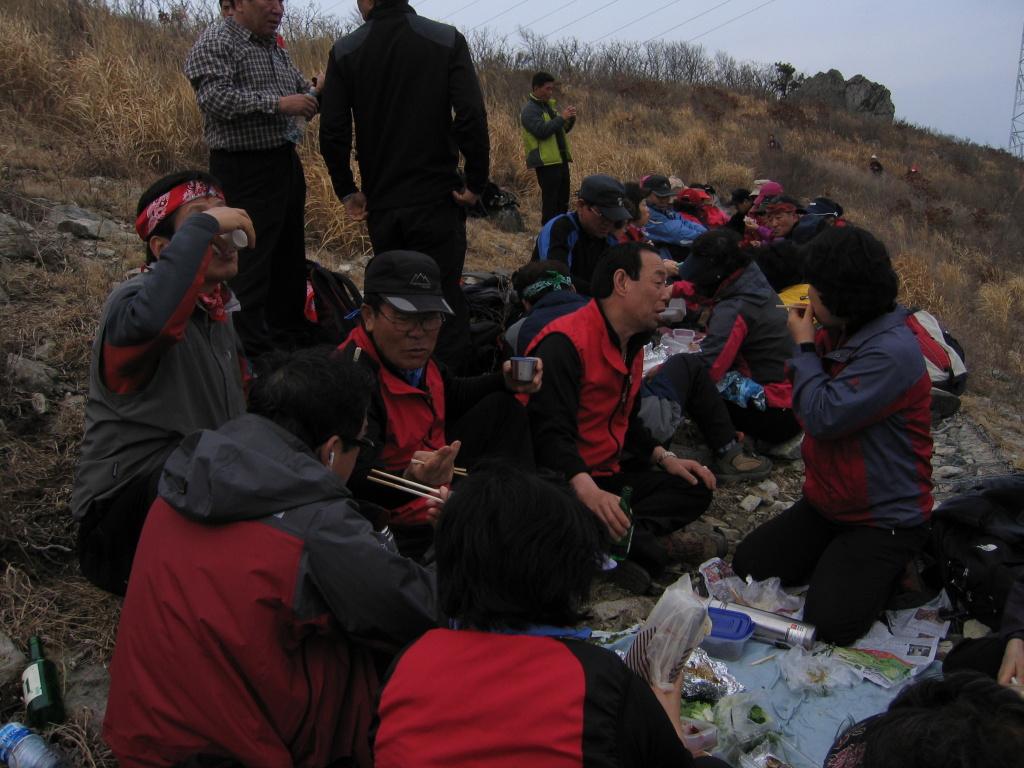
column 171, row 201
column 214, row 304
column 780, row 208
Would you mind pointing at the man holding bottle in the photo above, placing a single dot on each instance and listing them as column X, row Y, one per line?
column 585, row 419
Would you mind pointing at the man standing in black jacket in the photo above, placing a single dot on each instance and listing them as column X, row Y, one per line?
column 398, row 79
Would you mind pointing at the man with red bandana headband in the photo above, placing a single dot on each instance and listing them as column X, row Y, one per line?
column 165, row 362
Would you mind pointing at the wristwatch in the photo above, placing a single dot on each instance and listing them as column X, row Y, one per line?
column 666, row 455
column 348, row 197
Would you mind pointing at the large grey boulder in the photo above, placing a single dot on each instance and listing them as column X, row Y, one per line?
column 857, row 95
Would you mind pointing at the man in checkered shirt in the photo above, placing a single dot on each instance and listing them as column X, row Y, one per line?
column 253, row 102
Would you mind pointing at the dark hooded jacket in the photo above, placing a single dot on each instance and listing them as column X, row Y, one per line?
column 257, row 594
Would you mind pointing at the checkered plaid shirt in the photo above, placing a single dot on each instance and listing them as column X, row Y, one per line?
column 238, row 78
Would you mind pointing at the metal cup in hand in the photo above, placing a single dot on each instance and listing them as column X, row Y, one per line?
column 523, row 368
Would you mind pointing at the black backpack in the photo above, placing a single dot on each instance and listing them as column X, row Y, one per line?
column 977, row 543
column 493, row 306
column 501, row 207
column 330, row 298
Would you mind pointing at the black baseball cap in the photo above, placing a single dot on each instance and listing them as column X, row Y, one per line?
column 739, row 195
column 659, row 185
column 407, row 280
column 607, row 194
column 700, row 270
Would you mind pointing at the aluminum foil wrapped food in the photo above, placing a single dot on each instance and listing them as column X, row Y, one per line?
column 707, row 679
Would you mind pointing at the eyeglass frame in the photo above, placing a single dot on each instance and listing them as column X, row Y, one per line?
column 591, row 207
column 419, row 319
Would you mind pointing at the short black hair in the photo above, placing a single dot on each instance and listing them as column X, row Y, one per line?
column 722, row 247
column 961, row 720
column 534, row 271
column 515, row 550
column 299, row 391
column 540, row 79
column 852, row 271
column 620, row 256
column 166, row 227
column 635, row 194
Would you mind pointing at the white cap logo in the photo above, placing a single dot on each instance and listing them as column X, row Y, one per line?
column 420, row 280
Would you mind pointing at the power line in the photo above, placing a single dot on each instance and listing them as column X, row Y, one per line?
column 521, row 2
column 730, row 21
column 635, row 21
column 549, row 13
column 589, row 13
column 460, row 10
column 683, row 23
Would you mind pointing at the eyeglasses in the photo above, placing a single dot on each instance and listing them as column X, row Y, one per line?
column 602, row 217
column 361, row 442
column 428, row 322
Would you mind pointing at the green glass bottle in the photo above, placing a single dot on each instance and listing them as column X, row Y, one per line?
column 620, row 548
column 41, row 689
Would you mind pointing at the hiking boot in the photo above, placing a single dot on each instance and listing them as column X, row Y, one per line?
column 787, row 450
column 629, row 576
column 694, row 547
column 742, row 464
column 944, row 404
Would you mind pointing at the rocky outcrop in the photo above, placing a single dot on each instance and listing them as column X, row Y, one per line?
column 857, row 95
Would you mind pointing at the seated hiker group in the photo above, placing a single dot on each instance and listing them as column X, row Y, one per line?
column 240, row 508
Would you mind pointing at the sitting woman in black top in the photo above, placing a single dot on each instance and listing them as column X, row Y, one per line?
column 512, row 684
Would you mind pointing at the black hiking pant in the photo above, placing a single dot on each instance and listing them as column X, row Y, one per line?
column 851, row 569
column 554, row 190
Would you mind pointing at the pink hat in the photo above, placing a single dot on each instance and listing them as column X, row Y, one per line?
column 771, row 189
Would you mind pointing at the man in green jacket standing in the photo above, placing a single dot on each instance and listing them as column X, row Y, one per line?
column 547, row 146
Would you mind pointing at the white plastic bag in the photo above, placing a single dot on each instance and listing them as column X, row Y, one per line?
column 675, row 627
column 817, row 674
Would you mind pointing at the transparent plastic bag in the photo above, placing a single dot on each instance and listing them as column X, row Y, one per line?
column 743, row 720
column 817, row 674
column 675, row 627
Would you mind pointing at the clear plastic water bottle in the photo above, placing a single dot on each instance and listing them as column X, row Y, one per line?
column 22, row 748
column 297, row 124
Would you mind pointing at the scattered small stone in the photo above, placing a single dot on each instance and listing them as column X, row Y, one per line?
column 943, row 472
column 39, row 404
column 750, row 503
column 61, row 212
column 30, row 374
column 770, row 487
column 105, row 253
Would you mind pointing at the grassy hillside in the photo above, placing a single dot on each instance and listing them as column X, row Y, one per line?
column 87, row 92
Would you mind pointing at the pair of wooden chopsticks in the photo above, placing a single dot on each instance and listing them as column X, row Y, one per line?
column 792, row 306
column 456, row 470
column 394, row 481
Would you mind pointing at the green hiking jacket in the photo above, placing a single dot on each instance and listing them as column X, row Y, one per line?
column 544, row 133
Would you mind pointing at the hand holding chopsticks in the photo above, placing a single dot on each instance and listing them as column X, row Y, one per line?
column 434, row 467
column 396, row 481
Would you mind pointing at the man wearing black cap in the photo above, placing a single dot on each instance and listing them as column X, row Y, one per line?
column 580, row 237
column 667, row 229
column 741, row 201
column 421, row 416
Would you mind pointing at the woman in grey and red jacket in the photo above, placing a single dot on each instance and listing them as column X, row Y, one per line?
column 862, row 394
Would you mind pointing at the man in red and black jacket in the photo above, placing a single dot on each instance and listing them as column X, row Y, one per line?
column 586, row 416
column 421, row 416
column 165, row 362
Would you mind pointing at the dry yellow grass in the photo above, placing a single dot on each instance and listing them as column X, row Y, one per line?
column 86, row 92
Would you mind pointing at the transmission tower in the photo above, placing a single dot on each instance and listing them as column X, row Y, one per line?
column 1017, row 129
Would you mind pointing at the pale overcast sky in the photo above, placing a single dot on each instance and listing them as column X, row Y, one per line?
column 951, row 66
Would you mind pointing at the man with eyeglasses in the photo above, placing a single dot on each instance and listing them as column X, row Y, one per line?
column 421, row 417
column 578, row 238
